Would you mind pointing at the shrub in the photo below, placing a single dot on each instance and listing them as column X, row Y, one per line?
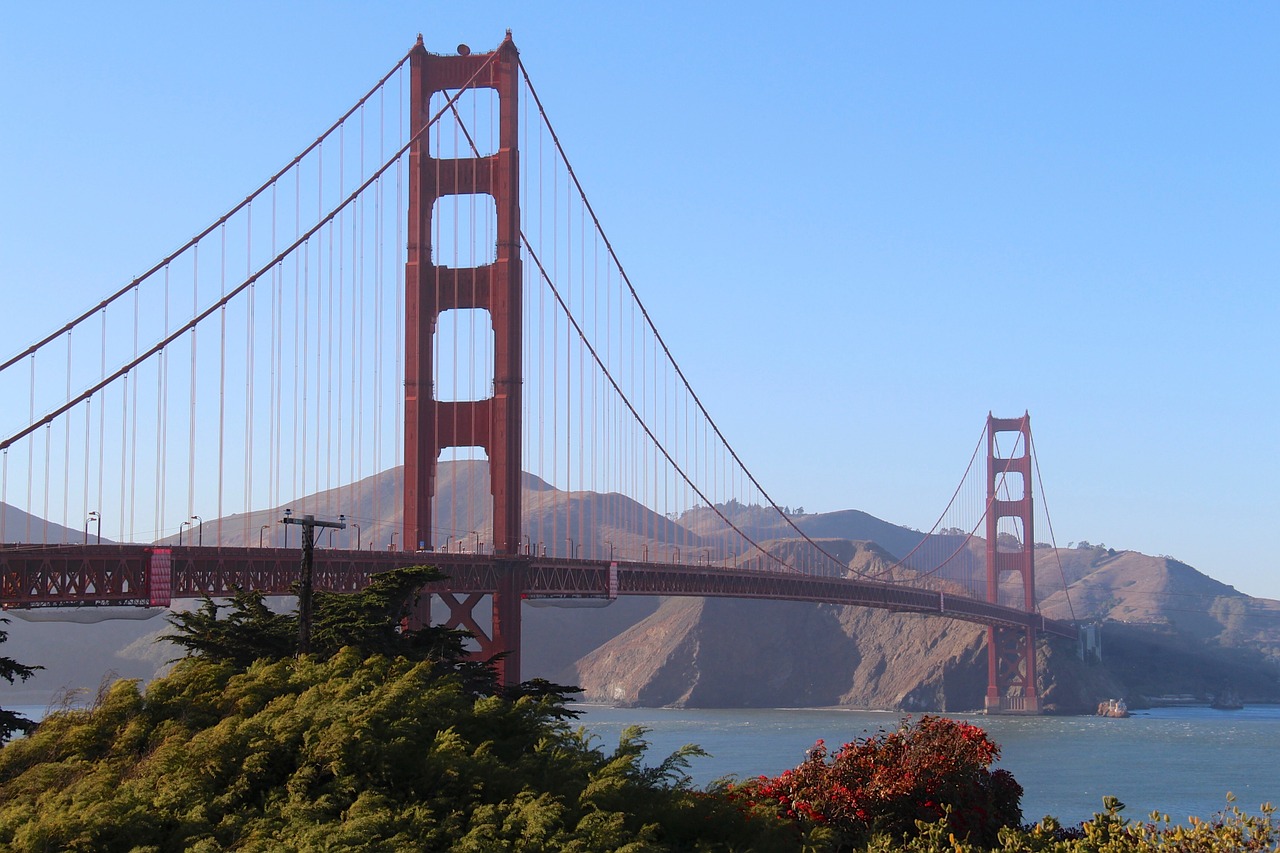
column 932, row 770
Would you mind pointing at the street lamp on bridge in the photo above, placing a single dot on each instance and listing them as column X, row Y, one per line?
column 93, row 516
column 260, row 532
column 392, row 547
column 180, row 526
column 357, row 527
column 199, row 530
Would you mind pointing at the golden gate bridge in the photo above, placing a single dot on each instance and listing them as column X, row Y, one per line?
column 419, row 326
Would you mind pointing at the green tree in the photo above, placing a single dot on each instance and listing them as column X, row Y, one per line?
column 349, row 752
column 372, row 620
column 12, row 671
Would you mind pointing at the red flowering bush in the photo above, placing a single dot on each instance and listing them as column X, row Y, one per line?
column 925, row 771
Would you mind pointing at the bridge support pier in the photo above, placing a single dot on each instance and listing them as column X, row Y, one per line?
column 1011, row 673
column 501, row 642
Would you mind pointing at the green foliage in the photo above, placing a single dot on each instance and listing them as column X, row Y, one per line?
column 1107, row 832
column 351, row 752
column 926, row 771
column 381, row 739
column 249, row 631
column 11, row 671
column 370, row 620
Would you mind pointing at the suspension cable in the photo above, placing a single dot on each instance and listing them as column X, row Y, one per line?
column 236, row 291
column 661, row 341
column 209, row 230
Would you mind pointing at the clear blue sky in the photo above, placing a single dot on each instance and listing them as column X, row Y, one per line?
column 860, row 226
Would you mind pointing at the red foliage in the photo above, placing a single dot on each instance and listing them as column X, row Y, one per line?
column 885, row 783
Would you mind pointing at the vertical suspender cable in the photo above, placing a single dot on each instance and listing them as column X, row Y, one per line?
column 319, row 342
column 358, row 375
column 44, row 518
column 360, row 222
column 133, row 437
column 273, row 355
column 582, row 432
column 296, row 389
column 124, row 447
column 88, row 439
column 191, row 412
column 250, row 344
column 162, row 419
column 334, row 379
column 31, row 453
column 222, row 378
column 555, row 353
column 66, row 454
column 568, row 371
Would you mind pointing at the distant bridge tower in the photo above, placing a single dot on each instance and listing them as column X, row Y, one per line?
column 494, row 423
column 1011, row 652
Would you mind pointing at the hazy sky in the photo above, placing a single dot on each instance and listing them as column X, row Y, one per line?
column 859, row 226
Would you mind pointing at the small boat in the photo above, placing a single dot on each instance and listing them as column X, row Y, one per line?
column 1113, row 708
column 1227, row 700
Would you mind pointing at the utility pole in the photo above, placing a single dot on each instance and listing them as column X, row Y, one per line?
column 309, row 525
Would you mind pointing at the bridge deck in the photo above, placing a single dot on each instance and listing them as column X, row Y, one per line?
column 131, row 575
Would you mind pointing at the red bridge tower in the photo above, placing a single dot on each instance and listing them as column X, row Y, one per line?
column 1011, row 652
column 494, row 423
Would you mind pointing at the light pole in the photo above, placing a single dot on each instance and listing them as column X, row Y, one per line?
column 93, row 516
column 610, row 544
column 448, row 537
column 528, row 546
column 288, row 513
column 393, row 540
column 357, row 527
column 260, row 532
column 569, row 539
column 477, row 535
column 199, row 530
column 180, row 526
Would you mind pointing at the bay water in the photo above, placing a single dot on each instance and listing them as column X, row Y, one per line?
column 1178, row 761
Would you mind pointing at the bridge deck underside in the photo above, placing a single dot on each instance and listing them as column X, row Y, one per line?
column 97, row 575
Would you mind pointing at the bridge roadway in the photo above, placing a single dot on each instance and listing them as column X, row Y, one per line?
column 134, row 575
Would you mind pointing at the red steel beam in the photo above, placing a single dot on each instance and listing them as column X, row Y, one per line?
column 121, row 575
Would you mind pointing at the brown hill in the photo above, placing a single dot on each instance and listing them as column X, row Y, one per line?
column 728, row 653
column 718, row 653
